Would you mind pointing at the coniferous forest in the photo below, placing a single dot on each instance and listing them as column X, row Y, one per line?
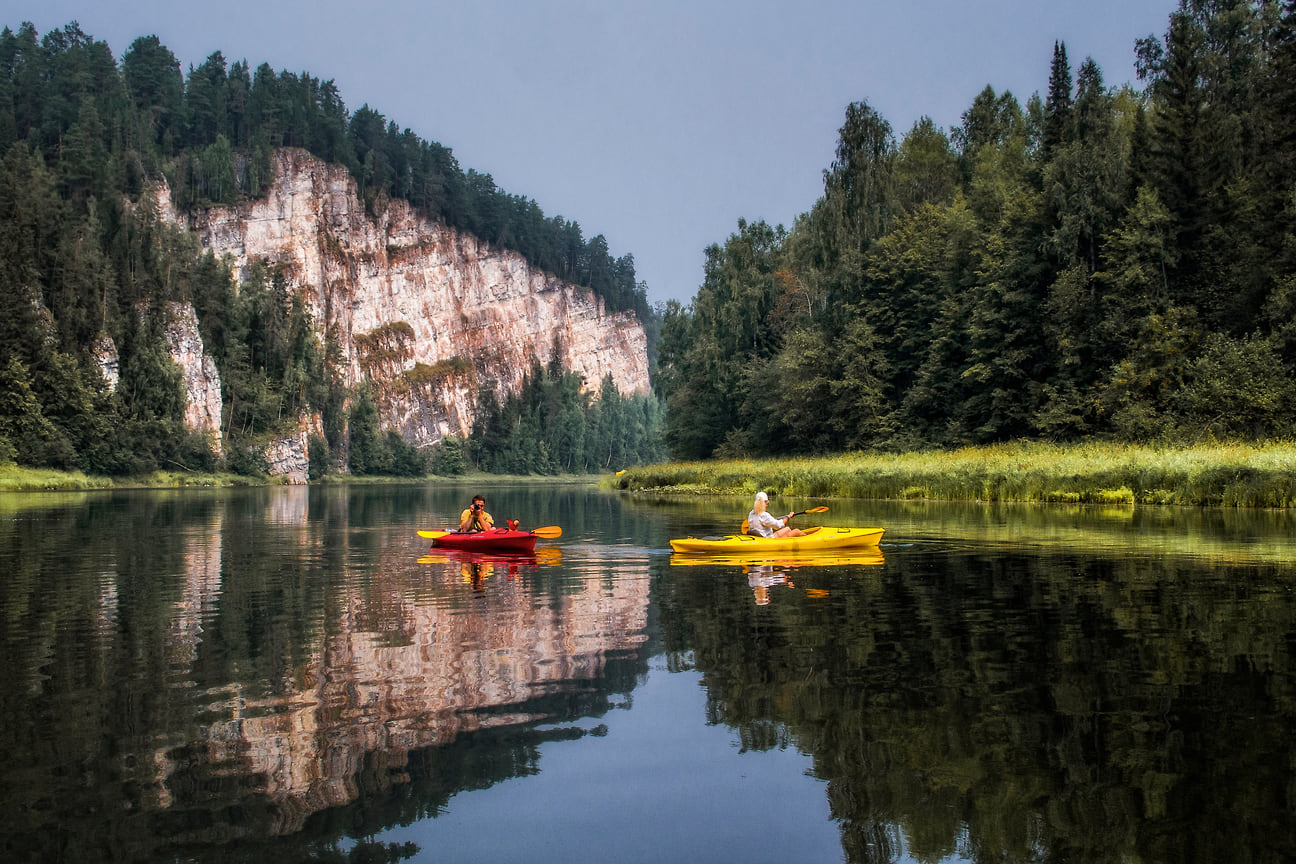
column 1100, row 262
column 84, row 254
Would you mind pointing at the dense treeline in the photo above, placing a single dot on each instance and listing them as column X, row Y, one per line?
column 552, row 426
column 87, row 262
column 212, row 133
column 1100, row 262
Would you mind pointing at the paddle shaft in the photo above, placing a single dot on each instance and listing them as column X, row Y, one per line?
column 811, row 510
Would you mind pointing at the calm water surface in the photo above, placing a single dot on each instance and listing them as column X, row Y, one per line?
column 289, row 674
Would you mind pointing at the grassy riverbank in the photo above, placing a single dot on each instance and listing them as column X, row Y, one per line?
column 16, row 479
column 1229, row 475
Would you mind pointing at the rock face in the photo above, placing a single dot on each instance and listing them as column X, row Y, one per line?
column 105, row 354
column 201, row 380
column 287, row 457
column 428, row 313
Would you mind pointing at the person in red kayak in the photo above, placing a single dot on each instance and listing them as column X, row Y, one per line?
column 762, row 523
column 475, row 518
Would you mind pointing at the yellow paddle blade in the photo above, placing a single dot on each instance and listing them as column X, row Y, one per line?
column 816, row 510
column 742, row 529
column 432, row 535
column 549, row 531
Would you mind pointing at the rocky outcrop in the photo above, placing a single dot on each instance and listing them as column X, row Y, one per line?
column 426, row 312
column 197, row 369
column 104, row 351
column 201, row 380
column 287, row 457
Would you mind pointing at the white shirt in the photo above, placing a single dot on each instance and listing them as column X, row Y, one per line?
column 763, row 524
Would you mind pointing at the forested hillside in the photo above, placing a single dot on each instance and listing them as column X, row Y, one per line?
column 1098, row 262
column 86, row 260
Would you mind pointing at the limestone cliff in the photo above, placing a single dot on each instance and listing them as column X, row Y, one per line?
column 201, row 380
column 427, row 312
column 198, row 371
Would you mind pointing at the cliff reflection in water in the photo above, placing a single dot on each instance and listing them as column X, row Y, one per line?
column 219, row 672
column 286, row 674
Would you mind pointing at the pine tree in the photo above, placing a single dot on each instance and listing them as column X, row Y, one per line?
column 1058, row 127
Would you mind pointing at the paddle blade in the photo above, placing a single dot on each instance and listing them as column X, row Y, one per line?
column 742, row 529
column 816, row 510
column 432, row 535
column 549, row 531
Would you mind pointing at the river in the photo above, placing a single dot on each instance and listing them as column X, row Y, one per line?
column 290, row 674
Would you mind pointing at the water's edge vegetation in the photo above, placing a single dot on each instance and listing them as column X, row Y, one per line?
column 1207, row 475
column 1210, row 475
column 16, row 478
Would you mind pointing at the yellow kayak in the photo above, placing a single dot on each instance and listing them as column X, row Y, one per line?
column 816, row 540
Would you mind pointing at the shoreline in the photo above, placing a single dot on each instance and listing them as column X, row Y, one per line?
column 1214, row 475
column 15, row 479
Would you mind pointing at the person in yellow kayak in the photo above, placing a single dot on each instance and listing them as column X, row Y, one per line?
column 475, row 518
column 762, row 523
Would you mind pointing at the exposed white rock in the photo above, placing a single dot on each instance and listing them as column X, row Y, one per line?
column 105, row 355
column 201, row 380
column 287, row 457
column 469, row 313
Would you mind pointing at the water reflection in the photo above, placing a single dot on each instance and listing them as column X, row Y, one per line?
column 250, row 674
column 226, row 668
column 762, row 577
column 1019, row 707
column 478, row 568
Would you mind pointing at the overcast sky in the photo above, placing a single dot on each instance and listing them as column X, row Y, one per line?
column 656, row 123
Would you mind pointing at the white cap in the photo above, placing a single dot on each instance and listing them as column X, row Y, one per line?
column 761, row 496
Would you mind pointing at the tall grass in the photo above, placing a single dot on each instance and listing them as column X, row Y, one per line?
column 1232, row 475
column 16, row 479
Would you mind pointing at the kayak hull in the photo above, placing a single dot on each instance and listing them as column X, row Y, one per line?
column 851, row 556
column 822, row 540
column 494, row 540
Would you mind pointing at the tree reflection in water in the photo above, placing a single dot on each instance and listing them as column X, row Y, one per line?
column 251, row 675
column 1014, row 707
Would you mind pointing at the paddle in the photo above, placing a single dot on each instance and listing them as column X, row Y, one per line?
column 548, row 532
column 811, row 510
column 745, row 526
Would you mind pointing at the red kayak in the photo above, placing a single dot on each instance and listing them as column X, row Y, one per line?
column 494, row 540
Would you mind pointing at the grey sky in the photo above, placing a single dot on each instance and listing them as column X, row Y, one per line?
column 656, row 124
